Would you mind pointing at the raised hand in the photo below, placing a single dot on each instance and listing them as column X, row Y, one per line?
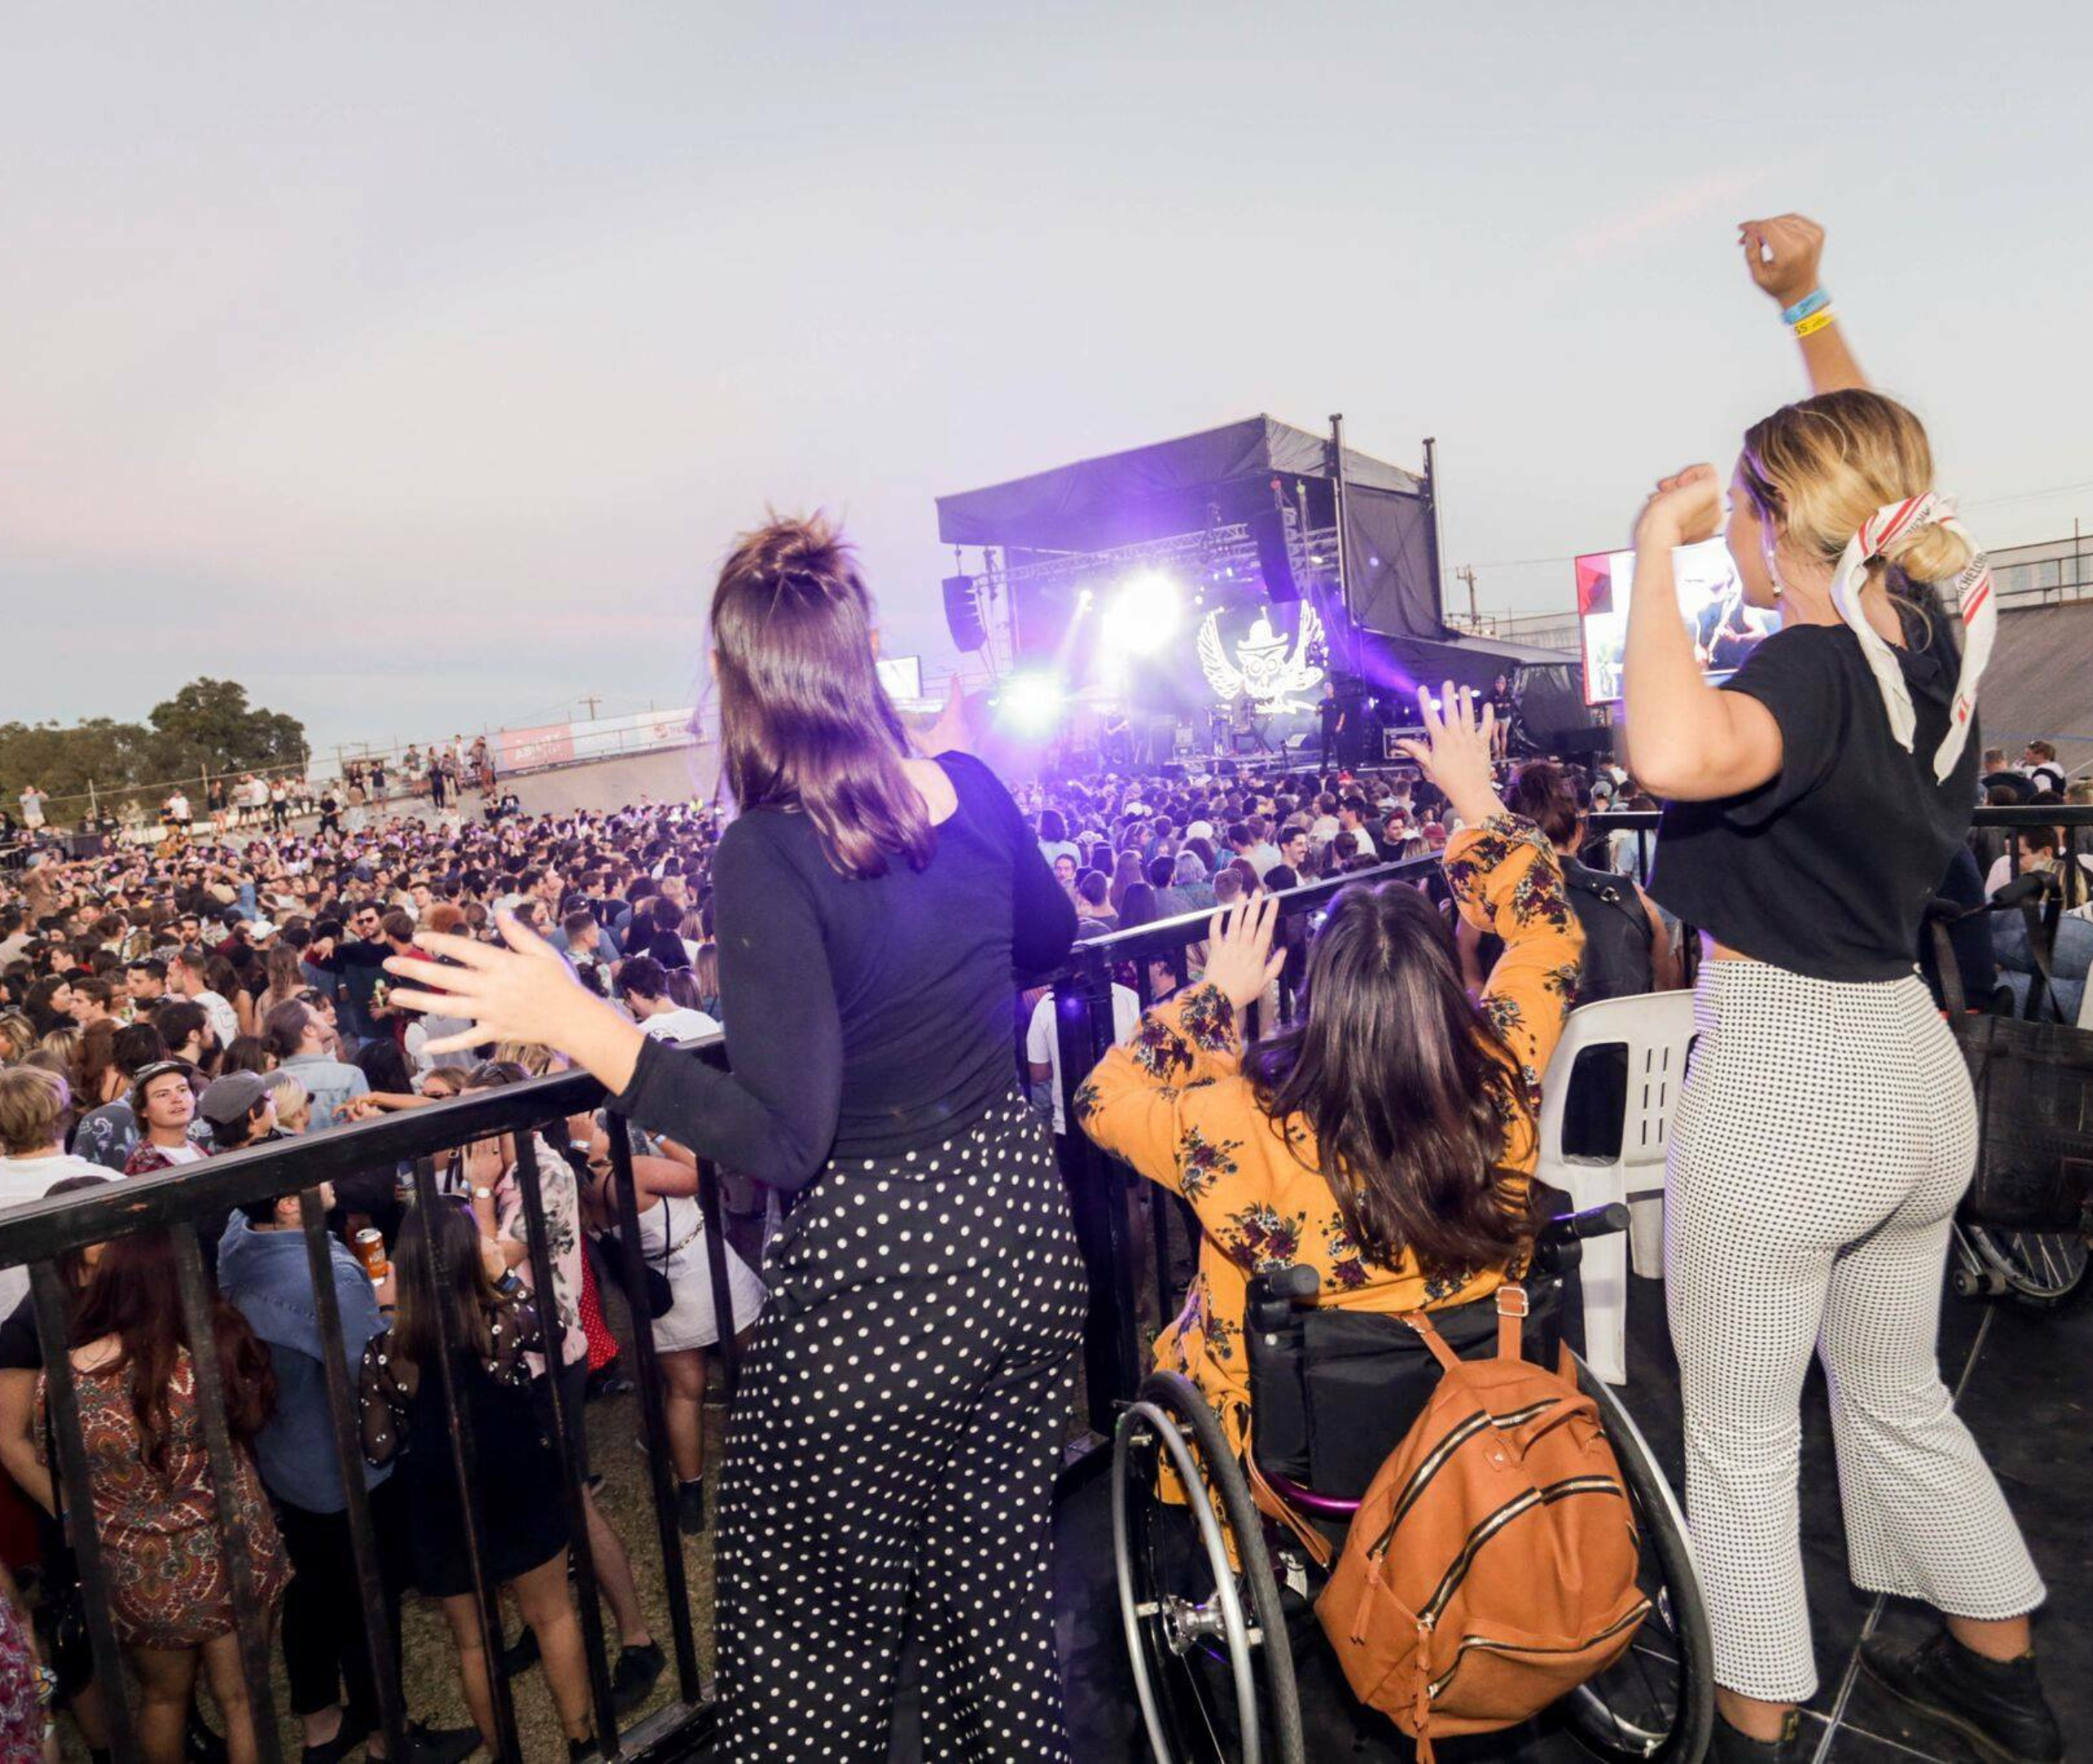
column 1240, row 958
column 524, row 993
column 1456, row 751
column 1782, row 254
column 1684, row 508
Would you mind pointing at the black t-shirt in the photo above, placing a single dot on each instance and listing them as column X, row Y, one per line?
column 20, row 1348
column 866, row 1016
column 1827, row 869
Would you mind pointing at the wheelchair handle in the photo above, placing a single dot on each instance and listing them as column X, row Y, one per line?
column 1272, row 1296
column 1559, row 1245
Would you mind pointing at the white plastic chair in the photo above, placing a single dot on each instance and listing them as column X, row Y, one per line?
column 1655, row 1028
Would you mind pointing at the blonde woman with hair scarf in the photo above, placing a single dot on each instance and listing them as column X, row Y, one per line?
column 1827, row 1127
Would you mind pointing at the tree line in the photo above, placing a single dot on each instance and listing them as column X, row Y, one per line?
column 206, row 729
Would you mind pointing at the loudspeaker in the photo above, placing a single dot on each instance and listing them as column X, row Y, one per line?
column 963, row 614
column 1274, row 559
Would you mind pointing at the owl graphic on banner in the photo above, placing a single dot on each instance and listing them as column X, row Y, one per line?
column 1274, row 669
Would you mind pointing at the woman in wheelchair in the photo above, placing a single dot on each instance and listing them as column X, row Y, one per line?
column 1385, row 1139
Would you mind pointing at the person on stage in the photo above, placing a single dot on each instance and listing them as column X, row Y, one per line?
column 900, row 1415
column 1331, row 713
column 1827, row 1129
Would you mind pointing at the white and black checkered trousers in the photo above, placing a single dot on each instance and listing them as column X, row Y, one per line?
column 1826, row 1133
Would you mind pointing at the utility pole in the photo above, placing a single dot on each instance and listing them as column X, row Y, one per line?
column 591, row 700
column 1467, row 574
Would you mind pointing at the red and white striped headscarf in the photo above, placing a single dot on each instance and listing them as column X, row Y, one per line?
column 1973, row 597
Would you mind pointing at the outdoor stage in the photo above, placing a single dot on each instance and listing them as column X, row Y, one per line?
column 1213, row 586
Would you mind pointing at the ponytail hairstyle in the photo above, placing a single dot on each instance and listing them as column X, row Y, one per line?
column 1405, row 1084
column 1817, row 469
column 804, row 723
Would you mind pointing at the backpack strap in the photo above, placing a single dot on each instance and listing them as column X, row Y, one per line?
column 1511, row 1310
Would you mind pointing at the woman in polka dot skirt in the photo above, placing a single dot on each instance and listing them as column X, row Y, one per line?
column 897, row 1429
column 1827, row 1129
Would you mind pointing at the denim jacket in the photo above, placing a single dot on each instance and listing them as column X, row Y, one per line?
column 265, row 1276
column 329, row 1082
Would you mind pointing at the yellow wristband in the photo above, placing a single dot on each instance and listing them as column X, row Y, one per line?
column 1814, row 323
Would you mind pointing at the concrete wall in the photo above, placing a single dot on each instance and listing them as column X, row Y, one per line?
column 2040, row 682
column 670, row 775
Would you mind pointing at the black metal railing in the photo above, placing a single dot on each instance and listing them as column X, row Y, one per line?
column 179, row 1200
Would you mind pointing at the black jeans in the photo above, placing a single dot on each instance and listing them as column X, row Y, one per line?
column 324, row 1648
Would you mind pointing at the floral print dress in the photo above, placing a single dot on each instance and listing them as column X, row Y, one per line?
column 1174, row 1105
column 169, row 1582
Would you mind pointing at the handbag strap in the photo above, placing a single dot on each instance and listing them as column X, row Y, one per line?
column 1273, row 1506
column 2041, row 924
column 1953, row 998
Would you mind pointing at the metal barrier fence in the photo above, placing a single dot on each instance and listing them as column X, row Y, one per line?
column 1104, row 1195
column 178, row 1201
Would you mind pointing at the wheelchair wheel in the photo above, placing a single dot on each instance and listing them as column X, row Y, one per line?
column 1657, row 1701
column 1212, row 1663
column 2041, row 1269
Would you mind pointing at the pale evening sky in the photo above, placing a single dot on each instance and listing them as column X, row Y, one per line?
column 415, row 365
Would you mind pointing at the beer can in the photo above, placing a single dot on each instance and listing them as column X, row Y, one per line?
column 370, row 1246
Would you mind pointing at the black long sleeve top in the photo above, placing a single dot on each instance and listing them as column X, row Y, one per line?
column 866, row 1016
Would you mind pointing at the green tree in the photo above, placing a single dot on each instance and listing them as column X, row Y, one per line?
column 207, row 726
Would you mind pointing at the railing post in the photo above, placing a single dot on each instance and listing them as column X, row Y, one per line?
column 250, row 1617
column 529, row 1181
column 715, row 1269
column 1083, row 1019
column 379, row 1624
column 54, row 1334
column 464, row 1467
column 654, row 1410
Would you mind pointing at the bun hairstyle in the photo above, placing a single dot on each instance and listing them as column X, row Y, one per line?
column 804, row 722
column 1819, row 467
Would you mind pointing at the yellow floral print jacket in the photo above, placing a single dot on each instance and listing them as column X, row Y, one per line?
column 1174, row 1104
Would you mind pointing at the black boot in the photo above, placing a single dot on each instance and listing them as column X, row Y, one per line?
column 1732, row 1747
column 1996, row 1705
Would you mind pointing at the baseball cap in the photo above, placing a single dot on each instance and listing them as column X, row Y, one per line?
column 229, row 1100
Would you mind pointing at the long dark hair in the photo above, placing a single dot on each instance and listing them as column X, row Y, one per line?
column 463, row 1286
column 803, row 721
column 133, row 1294
column 1405, row 1084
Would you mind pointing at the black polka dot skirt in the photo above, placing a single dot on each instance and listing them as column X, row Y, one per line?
column 892, row 1455
column 1825, row 1135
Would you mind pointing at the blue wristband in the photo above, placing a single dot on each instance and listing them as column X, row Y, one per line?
column 1802, row 309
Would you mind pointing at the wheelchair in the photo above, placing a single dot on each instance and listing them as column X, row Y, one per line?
column 1216, row 1636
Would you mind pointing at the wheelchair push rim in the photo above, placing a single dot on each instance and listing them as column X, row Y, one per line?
column 2039, row 1267
column 1657, row 1701
column 1230, row 1628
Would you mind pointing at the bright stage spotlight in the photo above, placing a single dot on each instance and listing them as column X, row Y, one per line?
column 1032, row 702
column 1145, row 613
column 1083, row 601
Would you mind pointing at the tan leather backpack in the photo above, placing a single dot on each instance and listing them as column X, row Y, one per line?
column 1491, row 1568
